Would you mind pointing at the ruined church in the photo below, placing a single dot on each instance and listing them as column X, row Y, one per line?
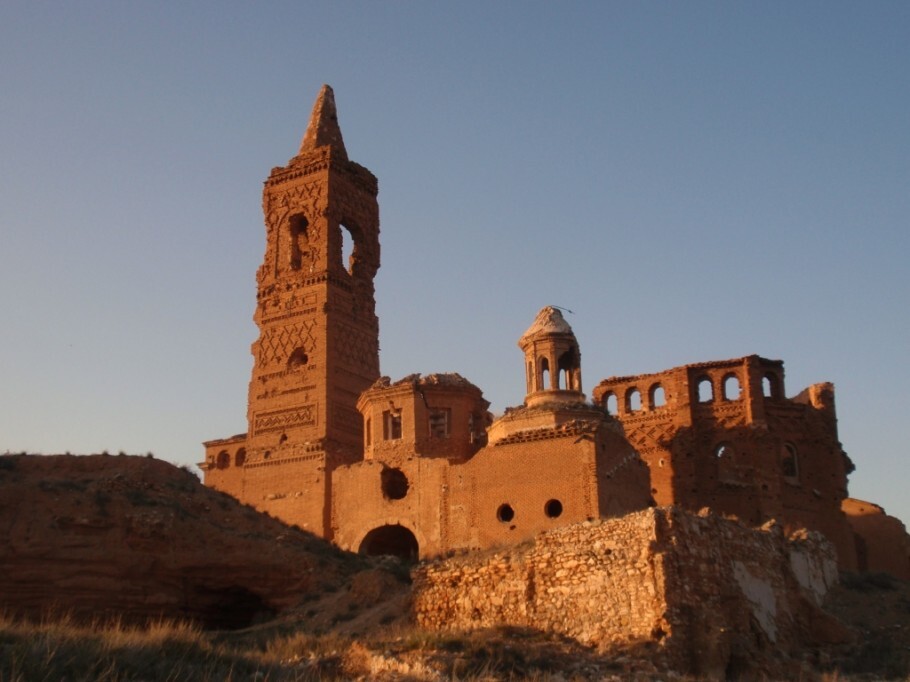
column 418, row 467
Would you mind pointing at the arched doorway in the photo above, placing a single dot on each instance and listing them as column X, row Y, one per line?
column 391, row 539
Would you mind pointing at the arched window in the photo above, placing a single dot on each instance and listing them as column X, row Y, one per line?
column 224, row 460
column 633, row 400
column 568, row 367
column 731, row 387
column 657, row 396
column 610, row 403
column 544, row 365
column 240, row 457
column 789, row 462
column 705, row 390
column 771, row 385
column 724, row 451
column 299, row 241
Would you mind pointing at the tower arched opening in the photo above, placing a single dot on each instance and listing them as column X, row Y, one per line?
column 568, row 370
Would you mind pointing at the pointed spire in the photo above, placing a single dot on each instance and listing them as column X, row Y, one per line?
column 323, row 128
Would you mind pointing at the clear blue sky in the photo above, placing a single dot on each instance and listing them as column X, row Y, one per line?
column 696, row 181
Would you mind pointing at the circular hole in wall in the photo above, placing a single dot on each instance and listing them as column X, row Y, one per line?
column 394, row 483
column 505, row 513
column 297, row 359
column 553, row 508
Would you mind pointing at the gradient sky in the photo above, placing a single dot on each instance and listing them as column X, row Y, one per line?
column 695, row 181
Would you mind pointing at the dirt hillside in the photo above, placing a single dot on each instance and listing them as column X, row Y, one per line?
column 137, row 538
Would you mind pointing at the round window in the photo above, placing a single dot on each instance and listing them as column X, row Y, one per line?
column 553, row 508
column 394, row 484
column 505, row 513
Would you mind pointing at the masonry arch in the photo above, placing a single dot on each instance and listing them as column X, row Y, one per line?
column 731, row 387
column 772, row 387
column 657, row 396
column 611, row 404
column 633, row 400
column 704, row 389
column 392, row 539
column 544, row 374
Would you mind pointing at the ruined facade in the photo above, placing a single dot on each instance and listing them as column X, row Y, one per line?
column 418, row 467
column 723, row 435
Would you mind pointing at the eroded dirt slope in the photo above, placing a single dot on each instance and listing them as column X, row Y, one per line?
column 136, row 537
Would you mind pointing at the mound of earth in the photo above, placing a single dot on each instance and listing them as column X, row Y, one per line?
column 137, row 538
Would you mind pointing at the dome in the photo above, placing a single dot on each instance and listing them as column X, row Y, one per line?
column 548, row 321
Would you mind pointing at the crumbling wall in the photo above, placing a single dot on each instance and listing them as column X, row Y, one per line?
column 882, row 540
column 710, row 595
column 723, row 435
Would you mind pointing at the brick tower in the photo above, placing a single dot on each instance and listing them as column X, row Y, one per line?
column 318, row 345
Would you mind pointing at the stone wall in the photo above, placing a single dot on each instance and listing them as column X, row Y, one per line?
column 710, row 595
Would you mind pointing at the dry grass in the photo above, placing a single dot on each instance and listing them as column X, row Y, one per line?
column 61, row 649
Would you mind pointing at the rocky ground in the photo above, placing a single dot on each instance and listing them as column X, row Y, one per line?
column 132, row 538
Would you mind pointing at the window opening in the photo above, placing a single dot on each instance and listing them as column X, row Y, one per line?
column 633, row 400
column 391, row 425
column 771, row 385
column 224, row 460
column 731, row 387
column 299, row 241
column 553, row 508
column 368, row 432
column 505, row 513
column 544, row 374
column 347, row 248
column 297, row 359
column 240, row 457
column 567, row 365
column 394, row 483
column 790, row 461
column 439, row 422
column 610, row 403
column 658, row 396
column 705, row 390
column 724, row 451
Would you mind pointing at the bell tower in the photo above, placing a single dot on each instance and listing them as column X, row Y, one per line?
column 318, row 344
